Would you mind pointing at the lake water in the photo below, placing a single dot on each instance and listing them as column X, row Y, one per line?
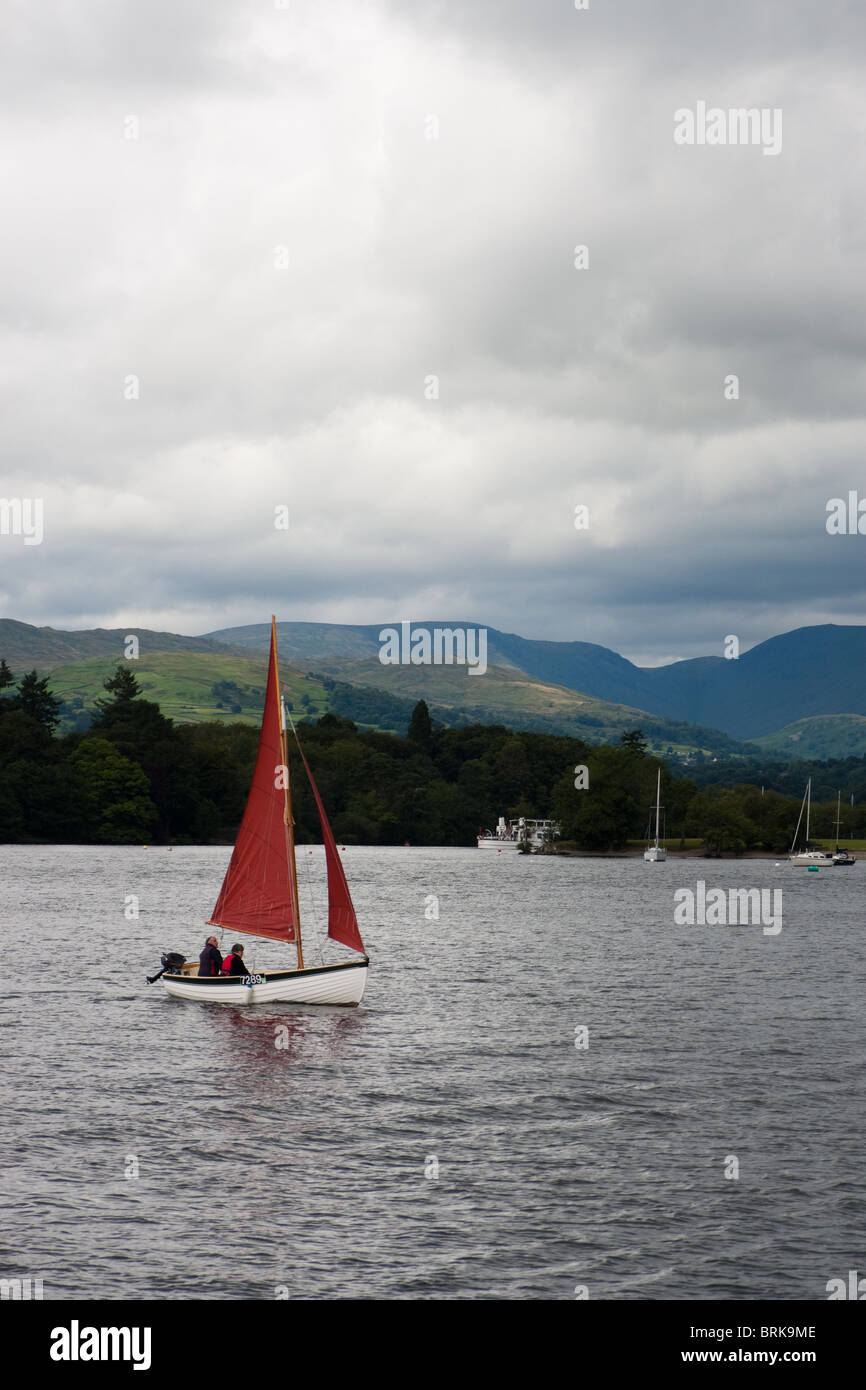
column 447, row 1139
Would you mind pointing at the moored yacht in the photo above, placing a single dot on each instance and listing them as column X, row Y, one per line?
column 840, row 854
column 656, row 853
column 806, row 856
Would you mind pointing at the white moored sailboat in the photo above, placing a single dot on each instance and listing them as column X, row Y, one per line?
column 807, row 856
column 841, row 856
column 259, row 895
column 656, row 853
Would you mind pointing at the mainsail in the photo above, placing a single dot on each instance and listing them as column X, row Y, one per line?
column 259, row 893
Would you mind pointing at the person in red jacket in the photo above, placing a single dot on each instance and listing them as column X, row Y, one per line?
column 233, row 964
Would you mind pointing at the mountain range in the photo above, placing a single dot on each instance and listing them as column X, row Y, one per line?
column 810, row 671
column 802, row 693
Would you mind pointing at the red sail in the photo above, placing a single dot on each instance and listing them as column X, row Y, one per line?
column 342, row 922
column 256, row 895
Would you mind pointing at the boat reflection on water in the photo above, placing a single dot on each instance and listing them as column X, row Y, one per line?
column 277, row 1036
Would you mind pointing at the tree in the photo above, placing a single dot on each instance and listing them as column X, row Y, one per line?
column 122, row 685
column 117, row 796
column 421, row 727
column 336, row 724
column 720, row 822
column 512, row 775
column 601, row 816
column 40, row 796
column 6, row 675
column 34, row 698
column 22, row 736
column 142, row 734
column 634, row 742
column 678, row 794
column 134, row 724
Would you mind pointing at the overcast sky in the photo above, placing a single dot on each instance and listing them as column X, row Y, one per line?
column 284, row 220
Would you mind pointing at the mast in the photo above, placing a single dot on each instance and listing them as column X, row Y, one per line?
column 808, row 805
column 838, row 816
column 658, row 802
column 799, row 819
column 287, row 806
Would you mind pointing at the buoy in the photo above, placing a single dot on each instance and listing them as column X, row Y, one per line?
column 813, row 868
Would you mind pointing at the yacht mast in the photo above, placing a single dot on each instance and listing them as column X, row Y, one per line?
column 287, row 806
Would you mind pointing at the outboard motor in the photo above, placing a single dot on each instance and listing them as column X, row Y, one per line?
column 171, row 964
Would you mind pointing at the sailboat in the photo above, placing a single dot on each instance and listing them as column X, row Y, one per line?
column 656, row 853
column 841, row 856
column 259, row 895
column 806, row 855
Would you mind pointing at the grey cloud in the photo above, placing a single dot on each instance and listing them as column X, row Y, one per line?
column 410, row 257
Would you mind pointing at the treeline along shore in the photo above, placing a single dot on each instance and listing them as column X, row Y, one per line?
column 135, row 777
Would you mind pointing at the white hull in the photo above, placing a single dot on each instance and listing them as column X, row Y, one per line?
column 328, row 984
column 492, row 843
column 655, row 855
column 812, row 856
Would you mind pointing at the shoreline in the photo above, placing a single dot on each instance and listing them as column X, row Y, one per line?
column 630, row 853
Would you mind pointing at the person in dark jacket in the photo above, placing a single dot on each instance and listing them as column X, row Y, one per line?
column 210, row 960
column 234, row 964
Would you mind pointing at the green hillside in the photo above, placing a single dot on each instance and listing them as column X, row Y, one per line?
column 821, row 736
column 812, row 671
column 191, row 687
column 785, row 694
column 188, row 687
column 507, row 696
column 219, row 684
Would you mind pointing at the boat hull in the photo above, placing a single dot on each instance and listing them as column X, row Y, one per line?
column 655, row 855
column 319, row 984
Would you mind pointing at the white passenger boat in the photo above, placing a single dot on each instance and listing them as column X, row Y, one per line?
column 514, row 834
